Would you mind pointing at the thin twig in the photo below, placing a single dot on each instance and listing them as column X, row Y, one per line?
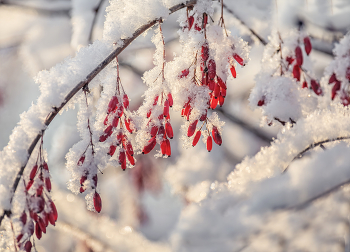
column 40, row 10
column 300, row 155
column 96, row 10
column 263, row 41
column 306, row 203
column 80, row 85
column 246, row 126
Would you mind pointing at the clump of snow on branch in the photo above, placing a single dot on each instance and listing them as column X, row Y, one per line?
column 257, row 195
column 337, row 74
column 277, row 90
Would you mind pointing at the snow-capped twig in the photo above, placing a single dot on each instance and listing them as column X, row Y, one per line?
column 80, row 85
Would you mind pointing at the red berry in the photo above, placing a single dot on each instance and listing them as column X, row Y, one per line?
column 170, row 99
column 299, row 56
column 216, row 136
column 51, row 216
column 127, row 124
column 105, row 122
column 221, row 83
column 163, row 147
column 184, row 73
column 214, row 102
column 150, row 146
column 112, row 105
column 19, row 237
column 45, row 166
column 304, row 84
column 332, row 79
column 261, row 102
column 238, row 59
column 216, row 90
column 53, row 210
column 126, row 101
column 83, row 179
column 221, row 100
column 192, row 128
column 39, row 190
column 28, row 246
column 48, row 184
column 211, row 84
column 169, row 130
column 307, row 45
column 121, row 157
column 168, row 148
column 209, row 143
column 33, row 172
column 154, row 130
column 81, row 160
column 97, row 202
column 211, row 69
column 296, row 72
column 335, row 88
column 190, row 22
column 316, row 87
column 347, row 73
column 81, row 190
column 95, row 180
column 161, row 132
column 42, row 224
column 223, row 92
column 196, row 138
column 129, row 148
column 289, row 60
column 166, row 108
column 23, row 218
column 205, row 52
column 112, row 149
column 115, row 121
column 130, row 158
column 233, row 71
column 38, row 231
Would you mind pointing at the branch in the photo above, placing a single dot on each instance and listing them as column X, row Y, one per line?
column 300, row 155
column 39, row 10
column 246, row 126
column 306, row 203
column 84, row 236
column 263, row 41
column 80, row 85
column 96, row 10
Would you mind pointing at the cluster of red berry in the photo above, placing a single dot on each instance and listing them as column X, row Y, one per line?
column 210, row 79
column 344, row 95
column 40, row 209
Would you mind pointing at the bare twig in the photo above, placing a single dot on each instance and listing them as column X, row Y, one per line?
column 263, row 41
column 245, row 125
column 300, row 155
column 306, row 203
column 80, row 85
column 40, row 10
column 96, row 10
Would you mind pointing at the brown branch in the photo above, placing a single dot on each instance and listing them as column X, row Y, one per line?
column 96, row 10
column 263, row 41
column 306, row 203
column 246, row 126
column 300, row 155
column 80, row 85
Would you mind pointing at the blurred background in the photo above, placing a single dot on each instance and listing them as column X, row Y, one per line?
column 141, row 206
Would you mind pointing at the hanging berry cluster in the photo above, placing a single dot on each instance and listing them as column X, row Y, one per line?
column 204, row 73
column 299, row 72
column 118, row 124
column 39, row 208
column 157, row 126
column 339, row 72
